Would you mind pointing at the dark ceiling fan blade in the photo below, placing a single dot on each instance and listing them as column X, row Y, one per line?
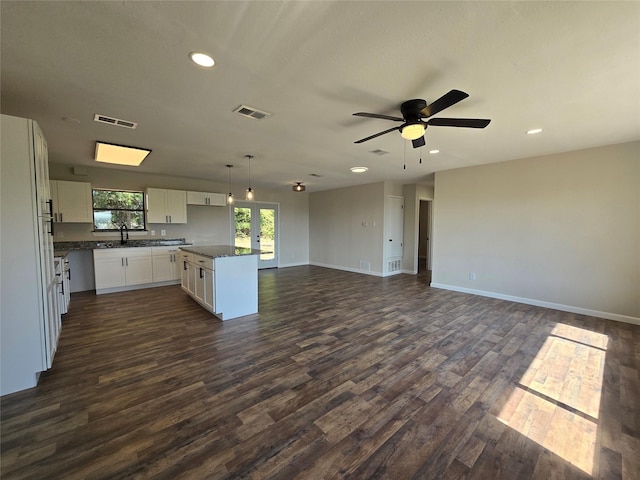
column 445, row 101
column 375, row 115
column 418, row 142
column 376, row 135
column 459, row 122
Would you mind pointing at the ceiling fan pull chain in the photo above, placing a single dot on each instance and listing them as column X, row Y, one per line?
column 420, row 156
column 404, row 160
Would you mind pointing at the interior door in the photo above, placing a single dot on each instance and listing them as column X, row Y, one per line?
column 256, row 226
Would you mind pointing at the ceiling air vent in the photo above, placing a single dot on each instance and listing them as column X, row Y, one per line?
column 251, row 112
column 377, row 151
column 114, row 121
column 315, row 175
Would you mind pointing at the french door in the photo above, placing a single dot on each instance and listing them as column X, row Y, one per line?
column 256, row 226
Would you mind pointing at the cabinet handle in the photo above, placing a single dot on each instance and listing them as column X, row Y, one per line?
column 169, row 218
column 55, row 215
column 184, row 264
column 60, row 216
column 126, row 261
column 201, row 272
column 122, row 261
column 50, row 202
column 51, row 221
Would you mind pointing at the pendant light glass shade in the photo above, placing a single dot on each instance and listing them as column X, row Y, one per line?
column 230, row 196
column 250, row 193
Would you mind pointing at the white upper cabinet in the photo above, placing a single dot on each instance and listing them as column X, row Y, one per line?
column 72, row 201
column 206, row 198
column 166, row 206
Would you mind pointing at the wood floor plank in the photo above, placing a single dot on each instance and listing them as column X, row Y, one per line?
column 339, row 376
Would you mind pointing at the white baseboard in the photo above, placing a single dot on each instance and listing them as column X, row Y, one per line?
column 285, row 265
column 539, row 303
column 347, row 269
column 102, row 291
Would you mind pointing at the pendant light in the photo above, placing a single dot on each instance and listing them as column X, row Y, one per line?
column 250, row 192
column 230, row 196
column 298, row 187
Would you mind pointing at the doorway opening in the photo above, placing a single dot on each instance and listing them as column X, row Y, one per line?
column 424, row 239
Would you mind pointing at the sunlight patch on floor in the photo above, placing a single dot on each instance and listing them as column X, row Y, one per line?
column 557, row 401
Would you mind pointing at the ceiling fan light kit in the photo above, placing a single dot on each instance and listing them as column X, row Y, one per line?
column 415, row 111
column 298, row 187
column 412, row 131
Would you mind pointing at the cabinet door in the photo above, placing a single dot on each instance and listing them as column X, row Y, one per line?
column 217, row 199
column 163, row 267
column 109, row 271
column 177, row 206
column 199, row 283
column 53, row 192
column 157, row 205
column 74, row 202
column 197, row 198
column 209, row 289
column 139, row 270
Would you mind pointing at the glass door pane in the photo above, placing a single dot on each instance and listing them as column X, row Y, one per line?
column 242, row 236
column 267, row 234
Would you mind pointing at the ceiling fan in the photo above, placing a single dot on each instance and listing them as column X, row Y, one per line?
column 413, row 113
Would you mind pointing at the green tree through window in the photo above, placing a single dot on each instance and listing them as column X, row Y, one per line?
column 114, row 208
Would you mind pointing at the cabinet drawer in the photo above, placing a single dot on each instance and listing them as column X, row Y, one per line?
column 203, row 261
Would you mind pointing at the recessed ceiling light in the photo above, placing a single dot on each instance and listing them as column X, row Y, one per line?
column 202, row 59
column 533, row 131
column 120, row 155
column 359, row 169
column 433, row 152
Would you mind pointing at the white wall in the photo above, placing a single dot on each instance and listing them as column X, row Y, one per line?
column 206, row 225
column 560, row 230
column 337, row 236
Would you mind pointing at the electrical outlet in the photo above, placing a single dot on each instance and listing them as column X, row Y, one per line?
column 472, row 275
column 163, row 233
column 153, row 233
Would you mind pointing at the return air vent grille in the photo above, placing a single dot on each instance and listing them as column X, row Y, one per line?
column 317, row 175
column 114, row 121
column 394, row 265
column 251, row 112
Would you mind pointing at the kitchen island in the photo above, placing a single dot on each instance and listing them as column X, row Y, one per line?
column 223, row 279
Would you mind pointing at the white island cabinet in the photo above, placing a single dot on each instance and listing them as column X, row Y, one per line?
column 223, row 279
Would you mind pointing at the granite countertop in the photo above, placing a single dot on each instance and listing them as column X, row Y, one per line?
column 216, row 251
column 92, row 245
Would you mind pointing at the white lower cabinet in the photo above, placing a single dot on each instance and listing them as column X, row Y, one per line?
column 166, row 264
column 187, row 278
column 198, row 279
column 122, row 267
column 204, row 282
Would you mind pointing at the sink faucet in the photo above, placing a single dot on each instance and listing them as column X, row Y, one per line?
column 124, row 234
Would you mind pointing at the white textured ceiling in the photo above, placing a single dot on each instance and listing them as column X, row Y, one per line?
column 572, row 68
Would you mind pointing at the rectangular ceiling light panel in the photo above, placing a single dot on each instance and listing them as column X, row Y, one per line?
column 120, row 155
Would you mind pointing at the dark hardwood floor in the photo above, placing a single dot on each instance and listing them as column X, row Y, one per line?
column 341, row 375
